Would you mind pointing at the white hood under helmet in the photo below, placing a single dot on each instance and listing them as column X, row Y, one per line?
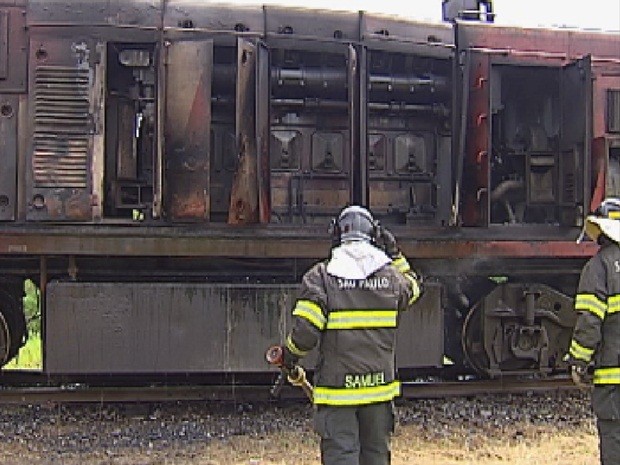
column 356, row 260
column 356, row 256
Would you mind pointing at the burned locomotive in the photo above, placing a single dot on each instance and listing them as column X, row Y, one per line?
column 169, row 169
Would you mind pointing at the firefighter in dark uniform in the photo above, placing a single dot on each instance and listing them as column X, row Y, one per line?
column 350, row 304
column 596, row 337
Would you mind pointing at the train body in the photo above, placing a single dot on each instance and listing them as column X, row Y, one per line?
column 170, row 167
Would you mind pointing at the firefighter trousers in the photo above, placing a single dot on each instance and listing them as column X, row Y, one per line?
column 609, row 441
column 606, row 406
column 356, row 435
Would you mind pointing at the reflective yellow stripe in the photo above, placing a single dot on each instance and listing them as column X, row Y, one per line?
column 580, row 352
column 401, row 264
column 311, row 312
column 415, row 288
column 357, row 319
column 356, row 396
column 613, row 304
column 290, row 345
column 590, row 303
column 607, row 376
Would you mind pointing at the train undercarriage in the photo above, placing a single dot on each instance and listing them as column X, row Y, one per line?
column 170, row 316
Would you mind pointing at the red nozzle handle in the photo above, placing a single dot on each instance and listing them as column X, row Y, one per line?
column 274, row 355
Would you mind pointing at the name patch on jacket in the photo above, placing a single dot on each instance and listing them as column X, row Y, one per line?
column 368, row 283
column 366, row 380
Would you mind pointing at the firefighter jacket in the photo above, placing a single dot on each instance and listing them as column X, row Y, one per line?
column 596, row 336
column 354, row 322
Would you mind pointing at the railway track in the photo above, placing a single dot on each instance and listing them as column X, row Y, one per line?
column 240, row 393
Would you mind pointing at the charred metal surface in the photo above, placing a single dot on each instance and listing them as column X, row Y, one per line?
column 8, row 155
column 526, row 146
column 188, row 127
column 13, row 44
column 420, row 335
column 188, row 328
column 334, row 25
column 312, row 244
column 244, row 207
column 392, row 29
column 476, row 165
column 196, row 14
column 312, row 114
column 162, row 327
column 62, row 128
column 262, row 133
column 136, row 13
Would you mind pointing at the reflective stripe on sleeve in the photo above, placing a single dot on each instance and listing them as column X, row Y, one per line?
column 607, row 376
column 590, row 303
column 358, row 319
column 356, row 396
column 580, row 352
column 401, row 264
column 311, row 312
column 613, row 304
column 290, row 345
column 415, row 288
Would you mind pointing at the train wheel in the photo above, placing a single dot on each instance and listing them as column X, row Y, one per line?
column 5, row 340
column 12, row 327
column 472, row 340
column 473, row 343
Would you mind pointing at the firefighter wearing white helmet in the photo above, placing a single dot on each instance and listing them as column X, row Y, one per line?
column 351, row 303
column 594, row 354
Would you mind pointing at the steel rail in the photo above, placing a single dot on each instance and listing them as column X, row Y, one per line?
column 261, row 393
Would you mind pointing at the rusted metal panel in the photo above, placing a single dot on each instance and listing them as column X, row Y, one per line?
column 189, row 14
column 358, row 147
column 8, row 156
column 301, row 22
column 575, row 134
column 478, row 141
column 62, row 115
column 309, row 242
column 557, row 43
column 420, row 338
column 188, row 129
column 395, row 29
column 192, row 328
column 136, row 13
column 262, row 132
column 244, row 207
column 4, row 44
column 163, row 327
column 13, row 43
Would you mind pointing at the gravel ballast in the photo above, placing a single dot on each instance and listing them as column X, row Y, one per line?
column 171, row 433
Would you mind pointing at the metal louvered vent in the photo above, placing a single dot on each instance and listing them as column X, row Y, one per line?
column 61, row 132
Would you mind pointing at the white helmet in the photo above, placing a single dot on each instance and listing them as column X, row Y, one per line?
column 605, row 220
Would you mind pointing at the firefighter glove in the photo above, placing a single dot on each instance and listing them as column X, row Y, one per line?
column 297, row 376
column 289, row 359
column 389, row 243
column 580, row 374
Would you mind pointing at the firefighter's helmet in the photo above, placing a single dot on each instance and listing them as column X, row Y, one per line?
column 605, row 220
column 355, row 223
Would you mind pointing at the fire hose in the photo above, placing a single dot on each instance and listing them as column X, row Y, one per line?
column 295, row 374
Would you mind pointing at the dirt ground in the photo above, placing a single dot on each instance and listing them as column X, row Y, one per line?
column 412, row 445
